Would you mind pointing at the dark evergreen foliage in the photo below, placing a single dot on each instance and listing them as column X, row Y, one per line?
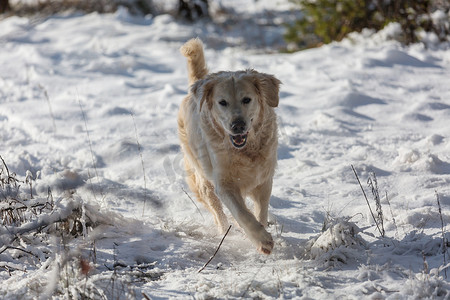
column 325, row 21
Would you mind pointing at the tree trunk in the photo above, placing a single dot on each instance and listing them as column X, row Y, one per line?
column 4, row 6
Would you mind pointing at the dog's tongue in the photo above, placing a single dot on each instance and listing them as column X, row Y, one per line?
column 238, row 139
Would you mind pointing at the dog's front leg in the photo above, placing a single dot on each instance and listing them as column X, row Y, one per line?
column 230, row 196
column 261, row 197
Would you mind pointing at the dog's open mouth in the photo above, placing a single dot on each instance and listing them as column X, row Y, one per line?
column 238, row 140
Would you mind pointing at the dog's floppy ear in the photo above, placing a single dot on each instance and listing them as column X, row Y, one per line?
column 267, row 86
column 202, row 90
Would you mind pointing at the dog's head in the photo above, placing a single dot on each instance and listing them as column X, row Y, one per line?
column 235, row 100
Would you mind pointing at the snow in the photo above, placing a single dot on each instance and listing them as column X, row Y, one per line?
column 88, row 109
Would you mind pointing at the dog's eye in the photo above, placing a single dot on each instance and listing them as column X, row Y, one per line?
column 223, row 102
column 246, row 100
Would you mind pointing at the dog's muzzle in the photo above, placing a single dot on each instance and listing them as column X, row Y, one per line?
column 239, row 137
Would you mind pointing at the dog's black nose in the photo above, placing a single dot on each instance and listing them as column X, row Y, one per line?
column 238, row 126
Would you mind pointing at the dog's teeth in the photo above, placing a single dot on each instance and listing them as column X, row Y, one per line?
column 239, row 140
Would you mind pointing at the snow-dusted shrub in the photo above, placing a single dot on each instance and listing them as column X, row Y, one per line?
column 337, row 242
column 34, row 232
column 425, row 286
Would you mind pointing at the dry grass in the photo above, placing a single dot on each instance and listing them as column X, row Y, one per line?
column 444, row 241
column 374, row 188
column 373, row 185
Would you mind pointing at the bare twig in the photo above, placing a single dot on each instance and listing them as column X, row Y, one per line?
column 19, row 249
column 373, row 185
column 50, row 197
column 90, row 148
column 368, row 204
column 193, row 202
column 217, row 250
column 146, row 296
column 49, row 106
column 39, row 224
column 6, row 167
column 276, row 228
column 253, row 279
column 279, row 284
column 8, row 268
column 444, row 242
column 29, row 179
column 426, row 269
column 142, row 162
column 24, row 207
column 392, row 214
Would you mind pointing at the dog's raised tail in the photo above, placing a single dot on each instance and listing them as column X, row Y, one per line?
column 193, row 50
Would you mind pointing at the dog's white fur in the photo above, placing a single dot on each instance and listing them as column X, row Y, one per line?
column 219, row 169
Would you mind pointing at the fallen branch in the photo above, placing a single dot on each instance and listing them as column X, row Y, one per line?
column 46, row 220
column 217, row 250
column 24, row 207
column 3, row 249
column 9, row 268
column 146, row 296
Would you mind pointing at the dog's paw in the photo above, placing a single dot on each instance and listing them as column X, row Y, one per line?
column 264, row 243
column 266, row 247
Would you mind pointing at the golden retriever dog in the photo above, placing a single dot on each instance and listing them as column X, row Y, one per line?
column 228, row 132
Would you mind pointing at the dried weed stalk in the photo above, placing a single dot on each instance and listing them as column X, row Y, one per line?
column 373, row 185
column 444, row 242
column 368, row 204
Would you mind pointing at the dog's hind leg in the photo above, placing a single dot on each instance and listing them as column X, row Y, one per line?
column 214, row 205
column 204, row 192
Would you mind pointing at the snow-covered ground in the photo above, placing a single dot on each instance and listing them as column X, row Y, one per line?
column 88, row 106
